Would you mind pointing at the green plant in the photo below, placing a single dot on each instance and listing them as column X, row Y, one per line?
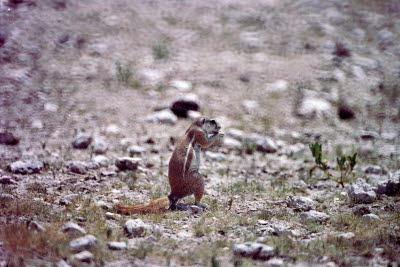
column 160, row 51
column 144, row 248
column 201, row 228
column 224, row 171
column 345, row 164
column 124, row 74
column 248, row 147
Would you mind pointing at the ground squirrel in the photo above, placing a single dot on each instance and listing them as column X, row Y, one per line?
column 183, row 173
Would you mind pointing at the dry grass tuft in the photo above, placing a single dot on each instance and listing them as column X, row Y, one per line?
column 22, row 242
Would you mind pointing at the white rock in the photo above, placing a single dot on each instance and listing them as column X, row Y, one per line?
column 250, row 40
column 126, row 142
column 366, row 63
column 348, row 235
column 135, row 228
column 82, row 140
column 117, row 245
column 181, row 85
column 358, row 73
column 37, row 124
column 372, row 169
column 71, row 197
column 361, row 192
column 6, row 197
column 68, row 199
column 281, row 230
column 164, row 116
column 84, row 256
column 136, row 150
column 100, row 146
column 301, row 203
column 101, row 160
column 277, row 86
column 216, row 157
column 104, row 205
column 274, row 262
column 263, row 144
column 127, row 163
column 112, row 20
column 250, row 104
column 149, row 76
column 313, row 216
column 231, row 143
column 296, row 150
column 112, row 129
column 97, row 49
column 35, row 226
column 191, row 114
column 335, row 16
column 51, row 107
column 26, row 167
column 62, row 263
column 253, row 250
column 73, row 229
column 184, row 235
column 312, row 107
column 391, row 186
column 371, row 217
column 235, row 133
column 77, row 167
column 385, row 36
column 82, row 243
column 339, row 75
column 369, row 135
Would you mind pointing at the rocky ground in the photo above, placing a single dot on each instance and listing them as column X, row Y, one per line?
column 95, row 94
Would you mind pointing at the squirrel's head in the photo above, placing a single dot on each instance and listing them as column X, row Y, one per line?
column 209, row 126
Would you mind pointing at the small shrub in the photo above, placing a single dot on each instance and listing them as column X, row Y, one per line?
column 144, row 248
column 265, row 215
column 248, row 148
column 201, row 229
column 160, row 51
column 345, row 165
column 23, row 243
column 125, row 75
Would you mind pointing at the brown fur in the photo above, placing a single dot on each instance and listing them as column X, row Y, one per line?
column 183, row 173
column 155, row 206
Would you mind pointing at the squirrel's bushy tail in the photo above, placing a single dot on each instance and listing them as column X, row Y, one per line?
column 155, row 206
